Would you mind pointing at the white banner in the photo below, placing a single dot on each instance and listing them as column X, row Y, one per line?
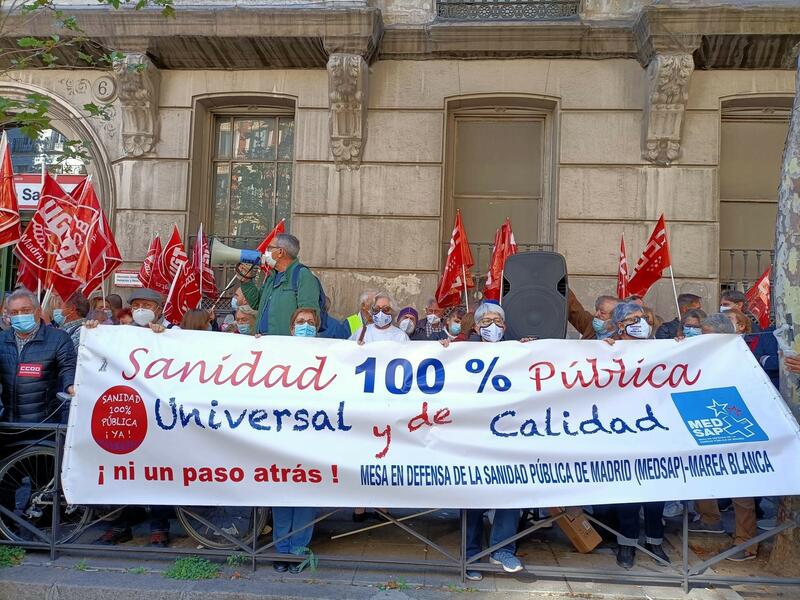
column 202, row 418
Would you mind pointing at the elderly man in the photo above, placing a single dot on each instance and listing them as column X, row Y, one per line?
column 289, row 286
column 36, row 362
column 431, row 328
column 672, row 329
column 363, row 317
column 71, row 315
column 601, row 326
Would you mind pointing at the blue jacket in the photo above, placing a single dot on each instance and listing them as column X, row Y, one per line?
column 31, row 380
column 766, row 352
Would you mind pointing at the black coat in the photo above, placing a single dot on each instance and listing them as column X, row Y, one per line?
column 48, row 362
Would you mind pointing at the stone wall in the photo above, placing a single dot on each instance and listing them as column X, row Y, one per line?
column 380, row 226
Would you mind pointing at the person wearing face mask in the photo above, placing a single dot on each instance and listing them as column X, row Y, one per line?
column 690, row 322
column 292, row 527
column 381, row 329
column 454, row 324
column 730, row 299
column 431, row 328
column 288, row 286
column 71, row 316
column 631, row 322
column 672, row 329
column 407, row 320
column 238, row 300
column 603, row 307
column 363, row 317
column 36, row 363
column 245, row 322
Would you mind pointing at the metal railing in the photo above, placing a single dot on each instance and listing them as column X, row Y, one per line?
column 508, row 10
column 740, row 268
column 35, row 515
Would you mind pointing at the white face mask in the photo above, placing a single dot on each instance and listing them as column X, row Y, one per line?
column 406, row 325
column 492, row 333
column 724, row 308
column 269, row 260
column 382, row 319
column 639, row 330
column 143, row 316
column 433, row 319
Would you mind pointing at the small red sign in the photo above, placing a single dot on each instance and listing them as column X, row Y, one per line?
column 33, row 370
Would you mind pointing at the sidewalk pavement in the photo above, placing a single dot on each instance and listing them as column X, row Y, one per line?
column 129, row 576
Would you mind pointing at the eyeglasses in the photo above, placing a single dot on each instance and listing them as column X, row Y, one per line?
column 21, row 311
column 387, row 310
column 487, row 321
column 300, row 321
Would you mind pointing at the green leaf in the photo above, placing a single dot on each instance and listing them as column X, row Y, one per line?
column 87, row 58
column 30, row 42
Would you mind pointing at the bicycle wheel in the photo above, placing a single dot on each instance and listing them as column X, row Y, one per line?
column 236, row 521
column 27, row 489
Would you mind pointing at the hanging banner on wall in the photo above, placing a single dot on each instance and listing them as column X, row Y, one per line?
column 306, row 422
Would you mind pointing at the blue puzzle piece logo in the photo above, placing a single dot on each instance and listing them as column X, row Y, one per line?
column 718, row 416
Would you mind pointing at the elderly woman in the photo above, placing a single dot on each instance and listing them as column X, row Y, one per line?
column 630, row 321
column 292, row 529
column 407, row 319
column 245, row 322
column 382, row 328
column 454, row 325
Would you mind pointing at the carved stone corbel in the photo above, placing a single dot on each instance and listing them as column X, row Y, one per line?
column 667, row 94
column 347, row 96
column 138, row 82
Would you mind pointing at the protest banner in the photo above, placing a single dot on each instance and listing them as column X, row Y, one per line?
column 201, row 418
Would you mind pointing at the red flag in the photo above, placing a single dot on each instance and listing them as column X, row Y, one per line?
column 9, row 210
column 99, row 255
column 184, row 294
column 504, row 246
column 46, row 245
column 26, row 278
column 262, row 247
column 622, row 272
column 456, row 269
column 168, row 263
column 201, row 259
column 654, row 260
column 147, row 269
column 758, row 299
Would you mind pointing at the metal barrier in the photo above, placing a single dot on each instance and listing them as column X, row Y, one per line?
column 40, row 531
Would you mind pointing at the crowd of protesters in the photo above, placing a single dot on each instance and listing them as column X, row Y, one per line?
column 291, row 301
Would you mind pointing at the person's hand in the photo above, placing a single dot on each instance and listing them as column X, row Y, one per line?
column 792, row 363
column 91, row 324
column 609, row 341
column 680, row 338
column 527, row 339
column 360, row 342
column 71, row 390
column 257, row 335
column 246, row 272
column 157, row 328
column 445, row 342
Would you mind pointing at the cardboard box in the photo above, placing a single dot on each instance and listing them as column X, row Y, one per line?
column 577, row 528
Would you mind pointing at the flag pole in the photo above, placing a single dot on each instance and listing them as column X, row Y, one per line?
column 172, row 288
column 464, row 278
column 674, row 291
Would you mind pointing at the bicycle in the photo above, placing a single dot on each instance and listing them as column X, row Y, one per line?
column 218, row 526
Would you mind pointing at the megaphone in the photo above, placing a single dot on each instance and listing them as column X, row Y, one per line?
column 222, row 254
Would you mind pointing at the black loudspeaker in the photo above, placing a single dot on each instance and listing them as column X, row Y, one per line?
column 535, row 295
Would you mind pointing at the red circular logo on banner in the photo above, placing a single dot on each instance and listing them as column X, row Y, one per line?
column 119, row 420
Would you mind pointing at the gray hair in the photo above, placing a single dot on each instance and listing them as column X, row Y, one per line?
column 622, row 311
column 603, row 299
column 685, row 300
column 366, row 295
column 23, row 293
column 289, row 243
column 489, row 307
column 694, row 313
column 719, row 323
column 386, row 296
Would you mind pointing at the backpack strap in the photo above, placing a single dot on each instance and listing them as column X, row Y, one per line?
column 362, row 334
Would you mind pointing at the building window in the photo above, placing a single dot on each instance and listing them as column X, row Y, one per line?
column 28, row 155
column 252, row 174
column 752, row 141
column 499, row 166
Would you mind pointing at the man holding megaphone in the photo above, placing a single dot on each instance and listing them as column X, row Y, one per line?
column 290, row 285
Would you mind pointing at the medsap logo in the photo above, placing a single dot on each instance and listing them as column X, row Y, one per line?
column 718, row 416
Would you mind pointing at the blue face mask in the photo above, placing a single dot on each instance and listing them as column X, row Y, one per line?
column 598, row 325
column 23, row 323
column 455, row 328
column 58, row 317
column 692, row 331
column 234, row 303
column 305, row 330
column 244, row 328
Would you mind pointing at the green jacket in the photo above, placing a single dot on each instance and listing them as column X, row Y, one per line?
column 279, row 301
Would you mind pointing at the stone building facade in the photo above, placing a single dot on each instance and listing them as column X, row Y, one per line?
column 582, row 120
